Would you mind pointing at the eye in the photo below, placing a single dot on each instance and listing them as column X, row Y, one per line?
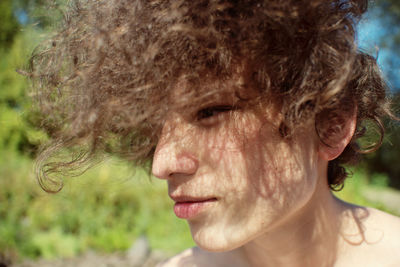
column 210, row 114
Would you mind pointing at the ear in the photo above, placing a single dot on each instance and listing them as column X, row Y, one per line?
column 335, row 129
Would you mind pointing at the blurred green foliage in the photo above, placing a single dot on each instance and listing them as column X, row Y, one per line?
column 19, row 124
column 9, row 25
column 17, row 132
column 360, row 181
column 105, row 210
column 386, row 159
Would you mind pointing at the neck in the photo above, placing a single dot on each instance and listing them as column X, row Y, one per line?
column 308, row 238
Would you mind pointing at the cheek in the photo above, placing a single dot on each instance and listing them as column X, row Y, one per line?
column 276, row 169
column 283, row 179
column 256, row 164
column 260, row 178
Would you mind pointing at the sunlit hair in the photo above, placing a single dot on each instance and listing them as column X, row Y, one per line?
column 103, row 80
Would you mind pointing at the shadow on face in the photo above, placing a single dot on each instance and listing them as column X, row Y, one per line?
column 233, row 152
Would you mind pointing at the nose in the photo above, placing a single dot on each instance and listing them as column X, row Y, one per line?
column 173, row 155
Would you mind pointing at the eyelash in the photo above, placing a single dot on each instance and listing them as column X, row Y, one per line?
column 212, row 112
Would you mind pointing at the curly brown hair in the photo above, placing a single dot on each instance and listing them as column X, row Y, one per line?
column 103, row 79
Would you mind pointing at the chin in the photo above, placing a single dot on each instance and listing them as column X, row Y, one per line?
column 214, row 240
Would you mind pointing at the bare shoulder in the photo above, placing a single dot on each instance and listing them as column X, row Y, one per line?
column 383, row 238
column 197, row 257
column 385, row 226
column 373, row 239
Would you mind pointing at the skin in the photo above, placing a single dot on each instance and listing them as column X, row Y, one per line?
column 273, row 205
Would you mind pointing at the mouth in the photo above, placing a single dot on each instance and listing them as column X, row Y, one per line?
column 187, row 207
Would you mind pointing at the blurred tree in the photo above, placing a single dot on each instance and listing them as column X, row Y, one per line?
column 9, row 25
column 17, row 133
column 391, row 8
column 386, row 159
column 41, row 13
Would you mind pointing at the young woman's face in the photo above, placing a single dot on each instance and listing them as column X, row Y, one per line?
column 230, row 173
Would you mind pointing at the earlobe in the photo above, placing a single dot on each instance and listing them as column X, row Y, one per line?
column 335, row 130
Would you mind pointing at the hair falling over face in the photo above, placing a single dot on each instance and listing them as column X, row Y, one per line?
column 104, row 80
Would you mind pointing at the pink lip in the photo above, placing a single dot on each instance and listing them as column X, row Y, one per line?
column 188, row 207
